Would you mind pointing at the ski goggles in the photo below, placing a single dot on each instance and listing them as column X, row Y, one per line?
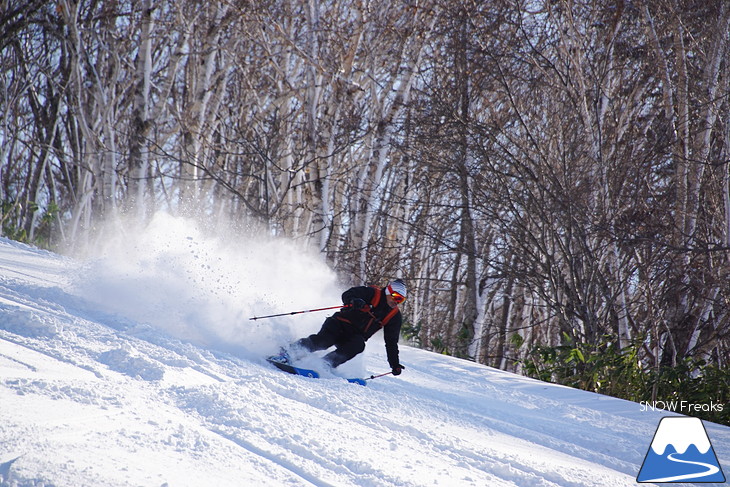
column 397, row 297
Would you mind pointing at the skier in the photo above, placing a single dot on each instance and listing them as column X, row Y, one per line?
column 366, row 310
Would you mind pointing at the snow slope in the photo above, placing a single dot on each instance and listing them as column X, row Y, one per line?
column 117, row 371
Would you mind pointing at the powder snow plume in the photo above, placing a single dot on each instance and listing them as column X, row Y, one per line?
column 174, row 277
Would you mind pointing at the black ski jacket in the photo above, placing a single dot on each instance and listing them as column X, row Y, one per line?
column 369, row 320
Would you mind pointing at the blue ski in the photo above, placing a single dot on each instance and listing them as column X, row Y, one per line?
column 307, row 372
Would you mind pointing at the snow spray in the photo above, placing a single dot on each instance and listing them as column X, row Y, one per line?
column 194, row 287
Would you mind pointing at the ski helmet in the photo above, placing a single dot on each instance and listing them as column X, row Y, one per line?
column 397, row 290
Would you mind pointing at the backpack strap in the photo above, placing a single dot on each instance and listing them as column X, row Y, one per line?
column 387, row 318
column 373, row 304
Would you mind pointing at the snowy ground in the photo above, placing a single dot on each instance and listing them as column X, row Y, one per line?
column 117, row 371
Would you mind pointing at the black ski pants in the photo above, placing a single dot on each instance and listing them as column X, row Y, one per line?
column 344, row 336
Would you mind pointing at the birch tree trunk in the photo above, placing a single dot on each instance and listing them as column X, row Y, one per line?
column 466, row 330
column 140, row 124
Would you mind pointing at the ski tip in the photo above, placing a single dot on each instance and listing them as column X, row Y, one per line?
column 358, row 381
column 292, row 369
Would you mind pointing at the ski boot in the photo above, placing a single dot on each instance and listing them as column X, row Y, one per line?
column 282, row 357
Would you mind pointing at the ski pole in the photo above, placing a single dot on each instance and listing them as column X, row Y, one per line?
column 297, row 312
column 382, row 375
column 376, row 376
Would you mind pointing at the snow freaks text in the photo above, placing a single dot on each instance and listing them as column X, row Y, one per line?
column 682, row 407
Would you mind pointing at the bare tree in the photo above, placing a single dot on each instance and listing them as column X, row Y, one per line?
column 541, row 173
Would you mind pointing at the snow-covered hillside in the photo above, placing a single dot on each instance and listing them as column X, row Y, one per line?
column 138, row 366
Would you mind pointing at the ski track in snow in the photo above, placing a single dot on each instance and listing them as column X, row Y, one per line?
column 91, row 398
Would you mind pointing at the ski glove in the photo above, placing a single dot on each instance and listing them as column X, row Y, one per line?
column 398, row 369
